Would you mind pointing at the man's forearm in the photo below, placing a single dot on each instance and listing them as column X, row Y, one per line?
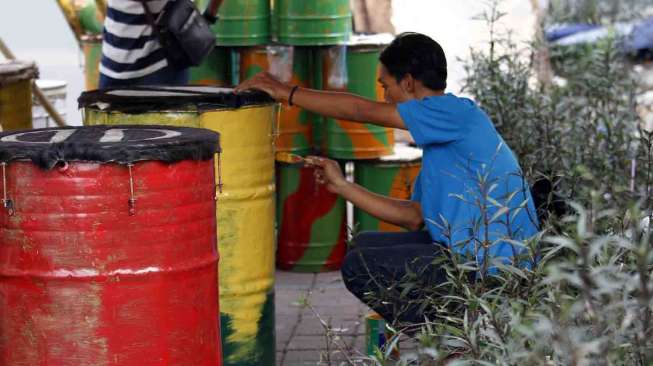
column 344, row 106
column 404, row 213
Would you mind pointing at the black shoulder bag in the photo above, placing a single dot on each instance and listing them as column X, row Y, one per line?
column 184, row 34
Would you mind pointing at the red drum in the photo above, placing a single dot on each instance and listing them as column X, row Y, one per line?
column 108, row 247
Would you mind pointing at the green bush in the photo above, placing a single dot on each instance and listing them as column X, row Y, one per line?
column 588, row 301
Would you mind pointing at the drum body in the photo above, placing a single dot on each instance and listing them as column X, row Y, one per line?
column 311, row 222
column 92, row 48
column 86, row 280
column 16, row 94
column 391, row 176
column 293, row 65
column 313, row 23
column 355, row 69
column 55, row 92
column 242, row 22
column 214, row 70
column 245, row 214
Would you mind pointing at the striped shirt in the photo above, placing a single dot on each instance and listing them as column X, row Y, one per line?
column 130, row 49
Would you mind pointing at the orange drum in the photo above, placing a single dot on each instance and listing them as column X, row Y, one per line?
column 291, row 64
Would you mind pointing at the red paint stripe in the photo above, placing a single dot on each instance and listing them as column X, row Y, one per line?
column 300, row 211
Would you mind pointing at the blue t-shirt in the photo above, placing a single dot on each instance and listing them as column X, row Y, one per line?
column 462, row 149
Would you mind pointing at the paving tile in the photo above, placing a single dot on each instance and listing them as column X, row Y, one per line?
column 329, row 280
column 285, row 323
column 292, row 280
column 310, row 357
column 317, row 342
column 290, row 302
column 299, row 331
column 312, row 326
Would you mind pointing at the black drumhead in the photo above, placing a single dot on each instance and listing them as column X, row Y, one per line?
column 121, row 144
column 142, row 99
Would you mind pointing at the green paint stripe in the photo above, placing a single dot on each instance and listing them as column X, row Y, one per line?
column 339, row 143
column 325, row 233
column 289, row 176
column 215, row 67
column 362, row 69
column 252, row 70
column 379, row 133
column 375, row 179
column 264, row 343
column 300, row 145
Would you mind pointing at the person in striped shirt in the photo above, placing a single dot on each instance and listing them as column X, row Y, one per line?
column 131, row 53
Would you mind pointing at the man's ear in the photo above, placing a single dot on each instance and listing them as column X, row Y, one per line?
column 408, row 84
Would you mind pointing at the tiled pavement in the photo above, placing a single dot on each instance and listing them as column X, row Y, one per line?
column 305, row 303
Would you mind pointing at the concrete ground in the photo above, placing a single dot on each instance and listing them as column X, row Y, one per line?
column 306, row 305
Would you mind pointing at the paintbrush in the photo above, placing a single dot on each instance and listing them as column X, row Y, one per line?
column 286, row 157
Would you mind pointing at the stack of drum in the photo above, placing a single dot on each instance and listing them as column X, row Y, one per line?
column 310, row 44
column 305, row 43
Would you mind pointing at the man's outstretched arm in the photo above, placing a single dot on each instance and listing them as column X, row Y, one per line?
column 404, row 213
column 332, row 104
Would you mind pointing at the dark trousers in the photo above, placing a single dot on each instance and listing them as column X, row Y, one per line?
column 394, row 273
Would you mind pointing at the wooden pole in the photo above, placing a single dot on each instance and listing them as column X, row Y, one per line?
column 68, row 10
column 36, row 90
column 102, row 7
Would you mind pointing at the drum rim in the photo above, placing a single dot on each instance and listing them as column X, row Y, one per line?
column 202, row 100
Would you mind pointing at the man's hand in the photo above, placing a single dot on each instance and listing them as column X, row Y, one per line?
column 328, row 172
column 266, row 82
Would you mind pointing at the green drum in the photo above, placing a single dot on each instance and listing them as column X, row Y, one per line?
column 90, row 18
column 355, row 69
column 214, row 70
column 391, row 176
column 317, row 80
column 311, row 236
column 274, row 21
column 242, row 22
column 314, row 22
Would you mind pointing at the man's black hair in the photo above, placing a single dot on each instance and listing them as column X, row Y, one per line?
column 417, row 55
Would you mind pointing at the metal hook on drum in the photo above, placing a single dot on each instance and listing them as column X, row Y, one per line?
column 6, row 201
column 132, row 200
column 62, row 166
column 219, row 185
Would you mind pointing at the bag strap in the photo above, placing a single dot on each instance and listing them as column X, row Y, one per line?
column 211, row 11
column 150, row 19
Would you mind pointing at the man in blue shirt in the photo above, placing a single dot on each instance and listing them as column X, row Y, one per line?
column 470, row 193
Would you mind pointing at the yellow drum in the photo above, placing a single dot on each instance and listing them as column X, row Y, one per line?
column 16, row 94
column 246, row 205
